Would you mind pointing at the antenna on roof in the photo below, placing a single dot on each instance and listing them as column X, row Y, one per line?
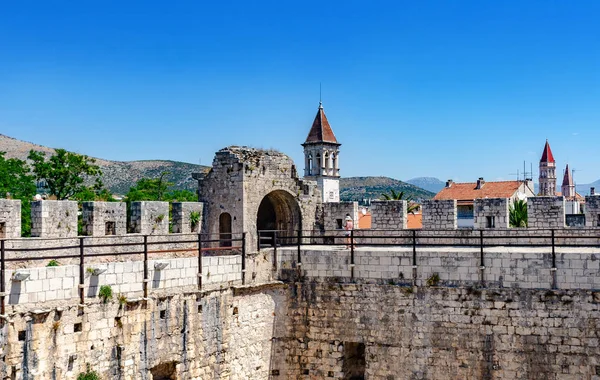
column 320, row 99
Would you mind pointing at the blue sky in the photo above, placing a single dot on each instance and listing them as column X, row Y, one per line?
column 450, row 89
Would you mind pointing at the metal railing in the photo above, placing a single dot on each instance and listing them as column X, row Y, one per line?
column 199, row 244
column 474, row 238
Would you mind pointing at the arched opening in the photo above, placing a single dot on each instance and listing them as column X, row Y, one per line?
column 278, row 211
column 319, row 165
column 225, row 230
column 309, row 165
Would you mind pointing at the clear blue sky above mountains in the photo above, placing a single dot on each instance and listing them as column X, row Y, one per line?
column 451, row 89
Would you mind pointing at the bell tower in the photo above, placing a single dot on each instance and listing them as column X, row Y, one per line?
column 547, row 172
column 321, row 157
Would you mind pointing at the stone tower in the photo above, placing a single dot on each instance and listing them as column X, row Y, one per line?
column 547, row 172
column 568, row 185
column 321, row 161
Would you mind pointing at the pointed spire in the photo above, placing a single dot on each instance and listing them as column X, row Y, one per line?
column 547, row 154
column 568, row 178
column 321, row 130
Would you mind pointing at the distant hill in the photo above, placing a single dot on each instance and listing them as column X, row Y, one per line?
column 118, row 176
column 359, row 188
column 428, row 183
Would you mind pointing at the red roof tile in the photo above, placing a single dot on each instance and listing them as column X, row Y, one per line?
column 568, row 178
column 547, row 155
column 321, row 130
column 469, row 191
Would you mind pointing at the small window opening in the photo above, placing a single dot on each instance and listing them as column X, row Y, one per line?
column 78, row 327
column 22, row 335
column 109, row 228
column 339, row 223
column 235, row 310
column 2, row 230
column 598, row 220
column 163, row 314
column 490, row 222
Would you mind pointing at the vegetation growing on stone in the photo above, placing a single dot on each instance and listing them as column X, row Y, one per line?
column 89, row 374
column 517, row 214
column 105, row 293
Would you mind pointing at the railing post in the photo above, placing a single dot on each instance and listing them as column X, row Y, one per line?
column 275, row 250
column 2, row 284
column 414, row 257
column 243, row 258
column 481, row 262
column 299, row 259
column 553, row 269
column 81, row 274
column 352, row 253
column 199, row 274
column 146, row 280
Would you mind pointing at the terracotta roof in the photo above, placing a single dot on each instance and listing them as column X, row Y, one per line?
column 547, row 155
column 364, row 221
column 469, row 191
column 321, row 130
column 414, row 221
column 568, row 178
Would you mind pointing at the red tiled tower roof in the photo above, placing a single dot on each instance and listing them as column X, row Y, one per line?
column 321, row 130
column 568, row 178
column 547, row 155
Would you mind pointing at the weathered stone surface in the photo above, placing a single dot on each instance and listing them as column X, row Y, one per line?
column 149, row 218
column 546, row 212
column 388, row 215
column 491, row 213
column 10, row 218
column 104, row 218
column 439, row 214
column 53, row 219
column 592, row 211
column 182, row 212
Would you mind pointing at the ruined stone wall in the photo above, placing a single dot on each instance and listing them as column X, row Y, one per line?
column 439, row 214
column 54, row 219
column 592, row 211
column 182, row 212
column 546, row 212
column 395, row 332
column 104, row 218
column 10, row 218
column 335, row 214
column 149, row 218
column 212, row 334
column 388, row 215
column 241, row 178
column 495, row 208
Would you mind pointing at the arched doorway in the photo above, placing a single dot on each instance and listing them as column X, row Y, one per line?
column 225, row 230
column 278, row 211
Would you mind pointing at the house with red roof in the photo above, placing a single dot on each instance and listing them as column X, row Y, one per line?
column 466, row 193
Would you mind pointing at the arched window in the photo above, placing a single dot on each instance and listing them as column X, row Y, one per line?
column 334, row 163
column 225, row 230
column 309, row 164
column 326, row 163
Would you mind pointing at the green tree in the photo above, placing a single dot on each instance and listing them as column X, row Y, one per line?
column 64, row 172
column 148, row 189
column 517, row 214
column 411, row 207
column 16, row 180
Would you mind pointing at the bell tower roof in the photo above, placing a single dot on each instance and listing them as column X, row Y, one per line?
column 568, row 178
column 547, row 154
column 321, row 131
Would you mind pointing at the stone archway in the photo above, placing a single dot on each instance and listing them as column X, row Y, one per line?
column 279, row 211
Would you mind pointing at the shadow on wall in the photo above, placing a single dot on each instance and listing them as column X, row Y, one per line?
column 15, row 292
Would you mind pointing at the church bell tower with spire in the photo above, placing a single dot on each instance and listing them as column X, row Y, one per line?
column 321, row 157
column 547, row 172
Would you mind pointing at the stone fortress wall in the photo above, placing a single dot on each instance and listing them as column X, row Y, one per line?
column 383, row 312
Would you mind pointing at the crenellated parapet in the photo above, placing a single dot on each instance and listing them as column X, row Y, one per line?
column 389, row 215
column 491, row 213
column 104, row 218
column 439, row 214
column 10, row 218
column 54, row 219
column 546, row 212
column 187, row 217
column 149, row 218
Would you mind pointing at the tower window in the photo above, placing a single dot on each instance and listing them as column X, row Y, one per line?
column 490, row 222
